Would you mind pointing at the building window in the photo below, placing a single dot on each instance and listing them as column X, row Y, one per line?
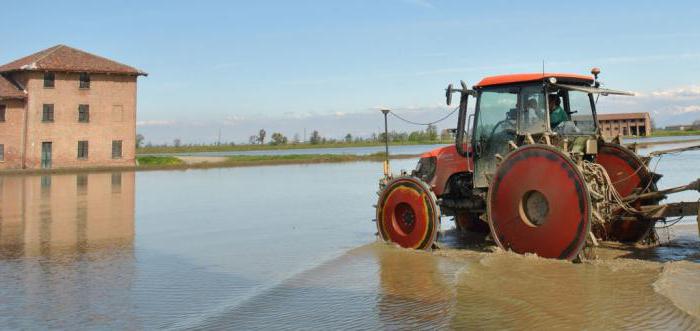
column 116, row 149
column 2, row 152
column 83, row 113
column 47, row 114
column 2, row 113
column 82, row 149
column 85, row 80
column 49, row 79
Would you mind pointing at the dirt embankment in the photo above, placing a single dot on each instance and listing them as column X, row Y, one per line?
column 205, row 162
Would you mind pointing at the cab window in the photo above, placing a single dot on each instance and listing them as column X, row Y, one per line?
column 581, row 112
column 532, row 117
column 495, row 126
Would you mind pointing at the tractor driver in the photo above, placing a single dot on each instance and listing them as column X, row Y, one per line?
column 557, row 115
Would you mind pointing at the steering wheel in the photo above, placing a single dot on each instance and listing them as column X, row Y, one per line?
column 508, row 130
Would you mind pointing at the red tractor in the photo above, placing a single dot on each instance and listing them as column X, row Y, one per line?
column 533, row 171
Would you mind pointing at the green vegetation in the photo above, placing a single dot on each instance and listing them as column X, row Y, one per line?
column 669, row 133
column 158, row 161
column 316, row 140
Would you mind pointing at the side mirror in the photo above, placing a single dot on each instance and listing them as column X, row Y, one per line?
column 448, row 94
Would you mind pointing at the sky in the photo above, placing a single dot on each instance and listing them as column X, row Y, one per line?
column 287, row 66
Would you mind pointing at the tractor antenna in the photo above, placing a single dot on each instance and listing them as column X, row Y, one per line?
column 544, row 83
column 542, row 68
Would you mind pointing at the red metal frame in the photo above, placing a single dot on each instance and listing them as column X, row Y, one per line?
column 448, row 162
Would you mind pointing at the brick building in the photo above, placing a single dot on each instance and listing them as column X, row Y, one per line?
column 63, row 107
column 626, row 124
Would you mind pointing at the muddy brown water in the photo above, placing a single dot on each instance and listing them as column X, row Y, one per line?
column 293, row 247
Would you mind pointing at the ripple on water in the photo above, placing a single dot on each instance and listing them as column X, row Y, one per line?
column 383, row 287
column 509, row 291
column 680, row 283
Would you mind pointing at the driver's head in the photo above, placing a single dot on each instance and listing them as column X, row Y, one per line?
column 553, row 101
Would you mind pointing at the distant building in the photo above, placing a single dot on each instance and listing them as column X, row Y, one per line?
column 63, row 107
column 678, row 127
column 626, row 124
column 684, row 127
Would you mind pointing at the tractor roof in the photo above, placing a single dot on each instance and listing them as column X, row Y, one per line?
column 522, row 78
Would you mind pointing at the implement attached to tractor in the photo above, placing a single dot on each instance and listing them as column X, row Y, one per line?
column 534, row 172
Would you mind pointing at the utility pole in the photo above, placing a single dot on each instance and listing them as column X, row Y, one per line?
column 387, row 170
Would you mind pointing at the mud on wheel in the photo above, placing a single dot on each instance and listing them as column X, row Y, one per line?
column 538, row 203
column 408, row 214
column 629, row 175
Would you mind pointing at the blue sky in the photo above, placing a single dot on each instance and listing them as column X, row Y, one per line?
column 328, row 65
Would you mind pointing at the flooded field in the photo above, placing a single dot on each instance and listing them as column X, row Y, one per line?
column 293, row 247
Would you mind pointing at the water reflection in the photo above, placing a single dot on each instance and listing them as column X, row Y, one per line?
column 41, row 215
column 414, row 289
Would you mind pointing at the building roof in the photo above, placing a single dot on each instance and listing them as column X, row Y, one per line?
column 68, row 59
column 8, row 90
column 622, row 116
column 521, row 78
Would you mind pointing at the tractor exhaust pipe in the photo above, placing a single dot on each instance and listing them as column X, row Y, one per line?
column 462, row 116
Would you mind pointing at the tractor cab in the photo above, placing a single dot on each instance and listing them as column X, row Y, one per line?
column 511, row 109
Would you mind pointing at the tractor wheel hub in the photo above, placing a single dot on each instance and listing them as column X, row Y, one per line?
column 534, row 208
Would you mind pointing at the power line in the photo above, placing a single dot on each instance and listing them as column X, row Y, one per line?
column 425, row 124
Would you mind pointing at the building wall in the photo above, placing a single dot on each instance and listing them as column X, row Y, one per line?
column 112, row 101
column 11, row 134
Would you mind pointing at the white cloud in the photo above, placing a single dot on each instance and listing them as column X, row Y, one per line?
column 298, row 115
column 155, row 123
column 686, row 109
column 686, row 92
column 680, row 105
column 234, row 119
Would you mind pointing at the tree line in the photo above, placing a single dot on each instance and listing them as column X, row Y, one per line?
column 430, row 134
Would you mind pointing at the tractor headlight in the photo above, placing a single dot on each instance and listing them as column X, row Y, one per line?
column 426, row 168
